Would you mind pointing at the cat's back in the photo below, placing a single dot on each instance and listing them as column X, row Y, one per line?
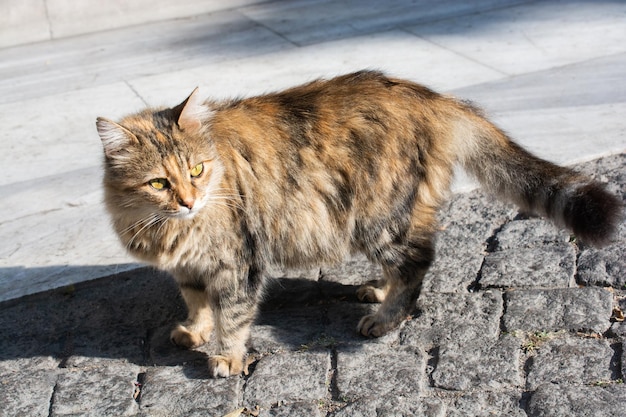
column 362, row 114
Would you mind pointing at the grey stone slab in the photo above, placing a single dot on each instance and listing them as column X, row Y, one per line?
column 342, row 319
column 296, row 409
column 393, row 406
column 451, row 319
column 374, row 370
column 288, row 377
column 529, row 233
column 288, row 329
column 586, row 309
column 96, row 347
column 179, row 391
column 609, row 170
column 485, row 403
column 110, row 318
column 26, row 394
column 603, row 267
column 355, row 271
column 548, row 266
column 572, row 360
column 109, row 390
column 479, row 365
column 556, row 400
column 467, row 222
column 606, row 266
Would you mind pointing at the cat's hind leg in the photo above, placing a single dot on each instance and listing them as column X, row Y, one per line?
column 404, row 267
column 196, row 330
column 373, row 291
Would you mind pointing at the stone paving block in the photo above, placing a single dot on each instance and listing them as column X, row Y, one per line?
column 393, row 406
column 474, row 215
column 466, row 224
column 288, row 377
column 529, row 233
column 558, row 400
column 177, row 391
column 296, row 409
column 342, row 319
column 548, row 266
column 572, row 360
column 479, row 365
column 100, row 345
column 454, row 318
column 376, row 370
column 107, row 390
column 603, row 267
column 27, row 353
column 287, row 329
column 26, row 393
column 585, row 309
column 355, row 271
column 485, row 403
column 454, row 272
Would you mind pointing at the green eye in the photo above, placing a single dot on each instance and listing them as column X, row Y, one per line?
column 159, row 183
column 197, row 170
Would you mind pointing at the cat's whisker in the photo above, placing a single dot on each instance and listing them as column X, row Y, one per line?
column 227, row 197
column 151, row 220
column 227, row 202
column 139, row 222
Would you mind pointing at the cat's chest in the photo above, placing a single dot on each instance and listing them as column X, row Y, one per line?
column 196, row 242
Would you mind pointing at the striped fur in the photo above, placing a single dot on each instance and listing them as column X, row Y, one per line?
column 358, row 163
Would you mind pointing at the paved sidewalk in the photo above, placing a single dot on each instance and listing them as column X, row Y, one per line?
column 515, row 318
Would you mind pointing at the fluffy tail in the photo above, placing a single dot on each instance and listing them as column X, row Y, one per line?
column 566, row 197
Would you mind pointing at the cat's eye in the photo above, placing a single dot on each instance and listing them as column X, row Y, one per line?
column 197, row 170
column 159, row 183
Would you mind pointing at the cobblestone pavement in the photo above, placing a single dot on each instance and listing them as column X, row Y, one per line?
column 517, row 318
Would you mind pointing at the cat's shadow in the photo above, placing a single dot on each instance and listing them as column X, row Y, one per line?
column 129, row 316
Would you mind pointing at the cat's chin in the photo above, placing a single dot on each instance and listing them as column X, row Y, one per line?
column 184, row 214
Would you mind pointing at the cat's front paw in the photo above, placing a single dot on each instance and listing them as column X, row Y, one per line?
column 225, row 366
column 373, row 325
column 182, row 336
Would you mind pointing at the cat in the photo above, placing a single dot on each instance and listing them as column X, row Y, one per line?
column 214, row 192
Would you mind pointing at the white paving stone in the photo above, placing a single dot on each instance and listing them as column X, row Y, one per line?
column 565, row 100
column 535, row 36
column 397, row 52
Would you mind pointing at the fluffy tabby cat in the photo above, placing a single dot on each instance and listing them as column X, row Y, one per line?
column 213, row 192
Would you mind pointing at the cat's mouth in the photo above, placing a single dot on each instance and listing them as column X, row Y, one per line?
column 183, row 213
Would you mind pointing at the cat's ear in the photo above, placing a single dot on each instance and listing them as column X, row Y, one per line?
column 115, row 138
column 190, row 113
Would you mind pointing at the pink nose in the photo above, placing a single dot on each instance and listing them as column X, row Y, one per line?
column 187, row 202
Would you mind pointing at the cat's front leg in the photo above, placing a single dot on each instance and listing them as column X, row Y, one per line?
column 234, row 314
column 196, row 330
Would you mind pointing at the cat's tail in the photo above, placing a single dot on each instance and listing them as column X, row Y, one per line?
column 566, row 197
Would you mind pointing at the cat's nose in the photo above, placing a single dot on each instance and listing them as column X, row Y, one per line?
column 187, row 202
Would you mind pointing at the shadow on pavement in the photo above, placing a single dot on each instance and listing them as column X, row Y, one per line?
column 128, row 317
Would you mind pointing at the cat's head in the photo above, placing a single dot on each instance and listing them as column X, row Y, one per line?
column 157, row 163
